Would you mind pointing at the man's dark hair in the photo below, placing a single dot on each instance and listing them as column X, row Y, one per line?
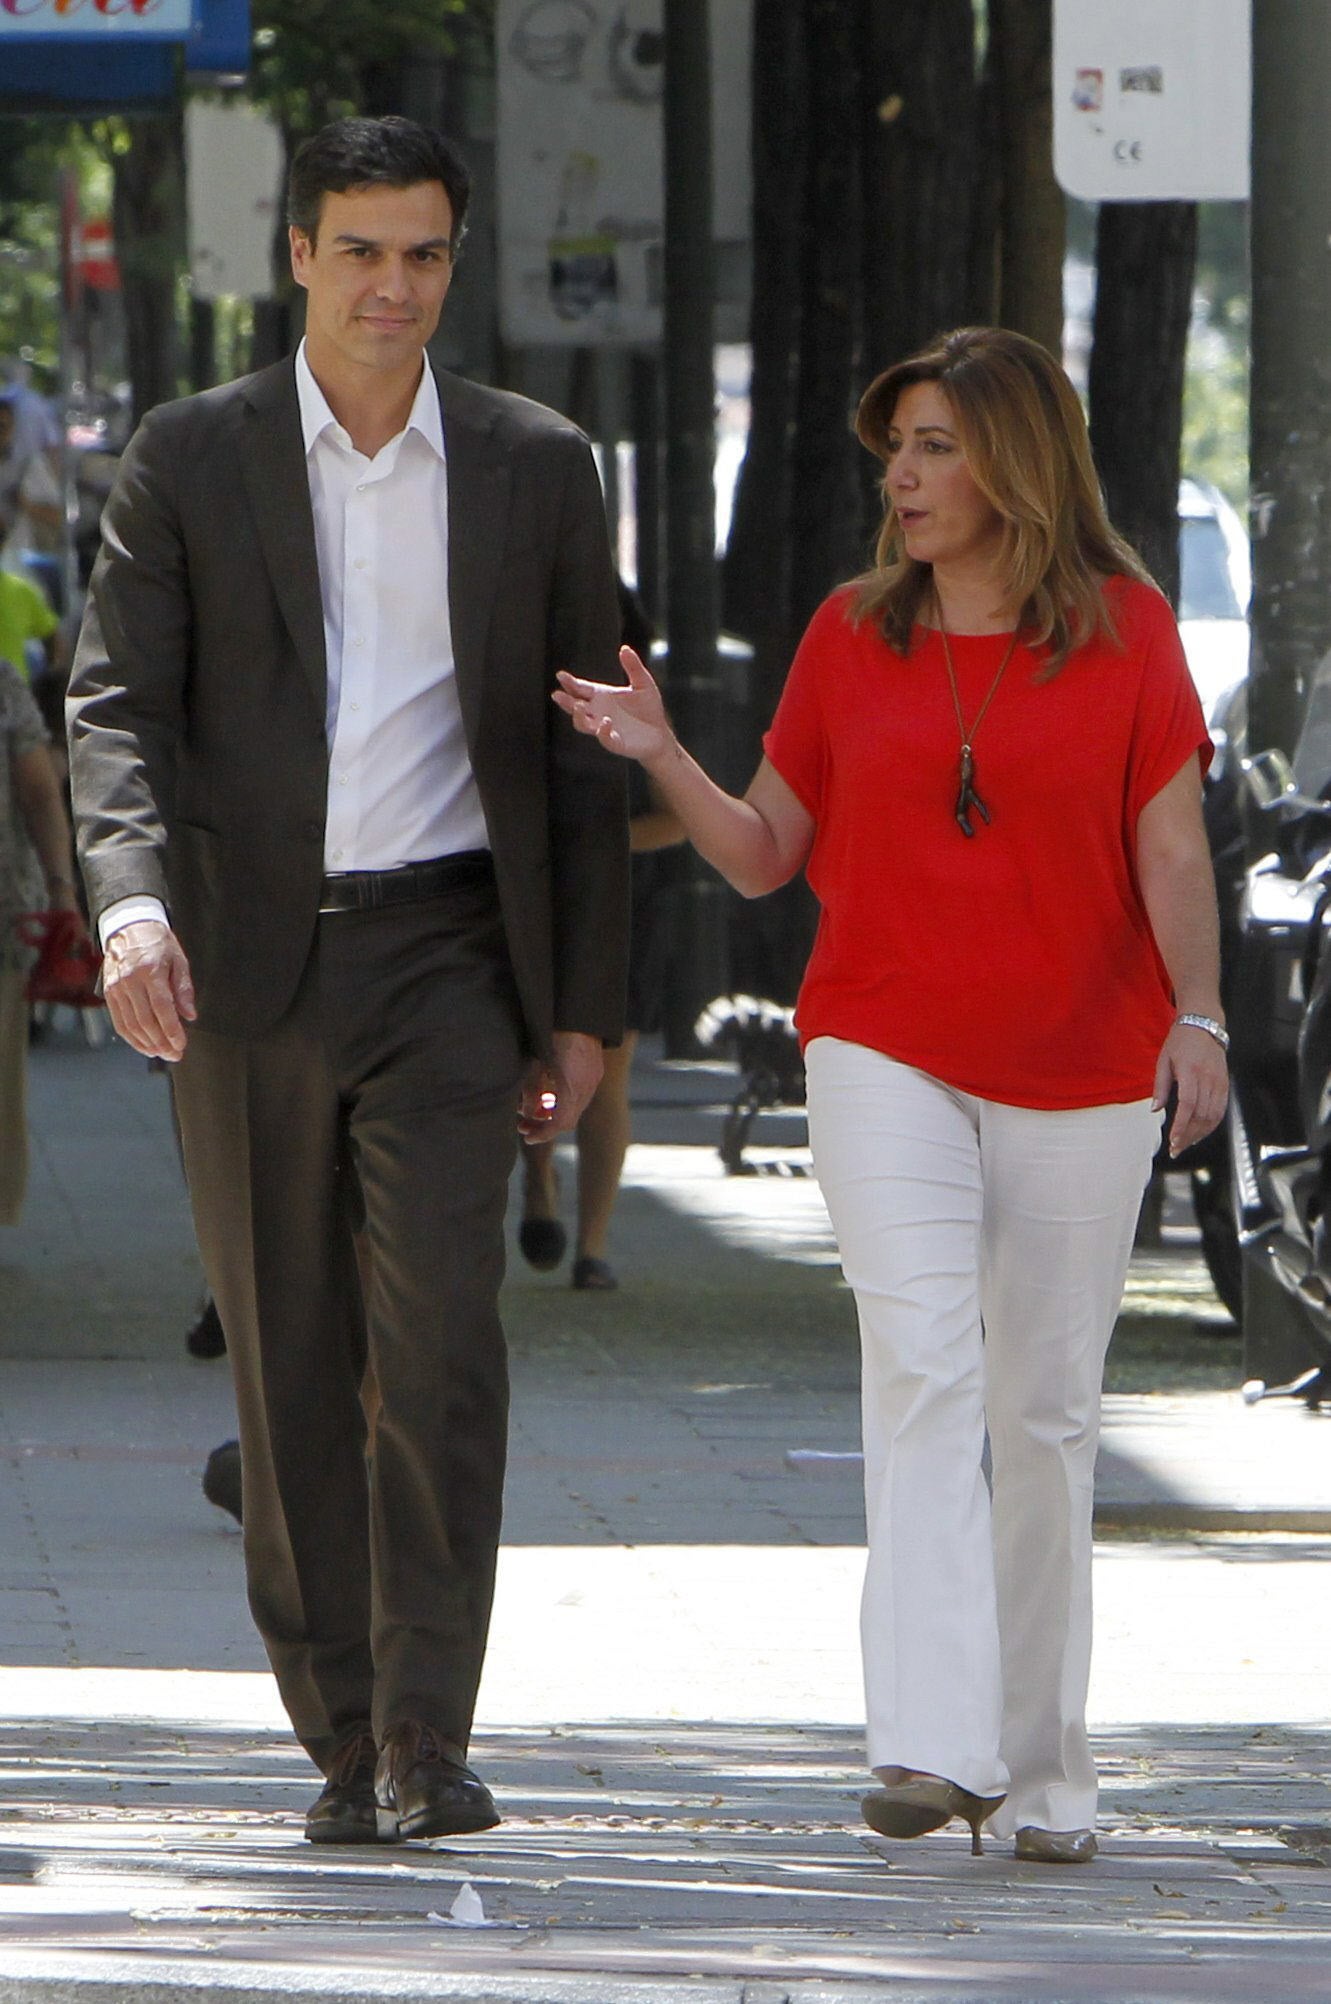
column 388, row 152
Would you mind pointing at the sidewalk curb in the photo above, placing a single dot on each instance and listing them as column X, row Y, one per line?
column 1182, row 1517
column 917, row 1979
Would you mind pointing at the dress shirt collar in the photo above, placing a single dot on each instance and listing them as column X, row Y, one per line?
column 316, row 417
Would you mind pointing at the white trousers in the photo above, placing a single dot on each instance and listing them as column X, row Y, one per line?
column 986, row 1246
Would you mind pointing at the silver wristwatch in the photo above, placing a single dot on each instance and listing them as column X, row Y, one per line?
column 1207, row 1023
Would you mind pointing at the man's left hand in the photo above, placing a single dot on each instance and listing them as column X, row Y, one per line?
column 555, row 1095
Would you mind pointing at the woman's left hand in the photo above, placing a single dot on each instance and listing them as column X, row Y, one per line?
column 1193, row 1061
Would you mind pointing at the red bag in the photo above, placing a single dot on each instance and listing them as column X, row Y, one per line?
column 67, row 964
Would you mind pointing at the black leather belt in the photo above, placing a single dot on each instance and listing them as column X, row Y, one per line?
column 366, row 890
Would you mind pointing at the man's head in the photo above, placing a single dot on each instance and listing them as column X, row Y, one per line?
column 357, row 153
column 376, row 208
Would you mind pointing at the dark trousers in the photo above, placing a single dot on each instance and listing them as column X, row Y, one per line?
column 388, row 1093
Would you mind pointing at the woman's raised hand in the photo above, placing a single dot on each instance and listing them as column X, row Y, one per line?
column 631, row 722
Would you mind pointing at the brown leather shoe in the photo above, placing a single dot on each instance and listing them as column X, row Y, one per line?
column 346, row 1812
column 424, row 1781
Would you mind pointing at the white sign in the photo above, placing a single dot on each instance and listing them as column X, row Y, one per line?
column 581, row 209
column 1153, row 99
column 233, row 185
column 97, row 20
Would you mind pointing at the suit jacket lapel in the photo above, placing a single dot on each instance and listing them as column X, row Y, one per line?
column 479, row 477
column 272, row 451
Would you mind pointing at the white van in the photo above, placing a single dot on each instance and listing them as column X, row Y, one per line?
column 1215, row 585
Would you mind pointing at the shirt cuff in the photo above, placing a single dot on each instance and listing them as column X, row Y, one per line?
column 129, row 911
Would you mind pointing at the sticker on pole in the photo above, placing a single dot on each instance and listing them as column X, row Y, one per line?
column 1153, row 103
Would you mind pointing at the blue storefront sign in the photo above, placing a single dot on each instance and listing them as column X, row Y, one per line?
column 102, row 21
column 219, row 40
column 128, row 58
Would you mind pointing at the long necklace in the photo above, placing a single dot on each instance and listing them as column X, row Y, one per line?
column 967, row 793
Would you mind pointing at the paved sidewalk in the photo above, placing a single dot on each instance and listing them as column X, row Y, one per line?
column 671, row 1711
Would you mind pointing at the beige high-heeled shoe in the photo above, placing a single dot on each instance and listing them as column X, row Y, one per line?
column 1054, row 1847
column 918, row 1803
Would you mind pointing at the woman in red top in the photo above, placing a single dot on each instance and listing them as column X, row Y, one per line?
column 988, row 756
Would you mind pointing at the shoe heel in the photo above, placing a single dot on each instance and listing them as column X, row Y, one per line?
column 975, row 1810
column 385, row 1821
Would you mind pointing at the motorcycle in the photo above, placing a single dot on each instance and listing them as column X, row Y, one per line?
column 1262, row 1183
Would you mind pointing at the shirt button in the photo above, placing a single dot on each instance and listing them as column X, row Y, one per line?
column 337, row 855
column 343, row 780
column 360, row 486
column 355, row 706
column 360, row 563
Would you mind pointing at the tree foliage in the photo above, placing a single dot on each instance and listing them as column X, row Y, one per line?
column 313, row 58
column 31, row 151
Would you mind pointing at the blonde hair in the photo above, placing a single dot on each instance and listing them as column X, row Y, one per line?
column 1020, row 424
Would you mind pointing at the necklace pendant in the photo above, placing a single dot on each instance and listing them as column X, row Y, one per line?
column 967, row 796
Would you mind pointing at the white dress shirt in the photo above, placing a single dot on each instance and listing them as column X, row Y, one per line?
column 400, row 784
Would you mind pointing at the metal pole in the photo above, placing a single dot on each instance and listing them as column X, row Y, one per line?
column 70, row 303
column 701, row 970
column 1291, row 364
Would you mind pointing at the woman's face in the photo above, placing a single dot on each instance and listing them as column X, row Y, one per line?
column 945, row 520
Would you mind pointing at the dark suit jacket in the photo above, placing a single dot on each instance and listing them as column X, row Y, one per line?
column 197, row 702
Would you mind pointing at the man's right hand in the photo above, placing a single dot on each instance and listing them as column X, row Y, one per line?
column 146, row 980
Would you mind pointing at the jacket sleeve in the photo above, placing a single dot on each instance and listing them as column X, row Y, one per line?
column 126, row 701
column 587, row 786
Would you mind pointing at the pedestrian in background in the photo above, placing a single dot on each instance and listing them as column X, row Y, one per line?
column 36, row 875
column 606, row 1127
column 36, row 424
column 310, row 721
column 989, row 756
column 26, row 617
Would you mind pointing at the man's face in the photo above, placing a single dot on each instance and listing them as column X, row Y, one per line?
column 377, row 276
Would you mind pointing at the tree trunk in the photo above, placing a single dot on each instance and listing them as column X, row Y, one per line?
column 983, row 250
column 827, row 542
column 756, row 572
column 1032, row 215
column 147, row 217
column 1291, row 375
column 1146, row 255
column 918, row 101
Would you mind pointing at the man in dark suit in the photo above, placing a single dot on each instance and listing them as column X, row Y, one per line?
column 365, row 888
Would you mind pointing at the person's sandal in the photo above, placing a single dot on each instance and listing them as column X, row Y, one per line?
column 919, row 1803
column 594, row 1274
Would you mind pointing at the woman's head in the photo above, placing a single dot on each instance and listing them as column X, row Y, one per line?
column 1004, row 407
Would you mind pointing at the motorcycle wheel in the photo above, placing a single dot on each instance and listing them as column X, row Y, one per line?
column 1213, row 1208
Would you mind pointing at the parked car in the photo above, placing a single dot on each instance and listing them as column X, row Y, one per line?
column 1215, row 585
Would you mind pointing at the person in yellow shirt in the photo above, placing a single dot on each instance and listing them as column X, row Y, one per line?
column 24, row 616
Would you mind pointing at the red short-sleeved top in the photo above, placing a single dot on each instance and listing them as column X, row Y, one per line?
column 1019, row 965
